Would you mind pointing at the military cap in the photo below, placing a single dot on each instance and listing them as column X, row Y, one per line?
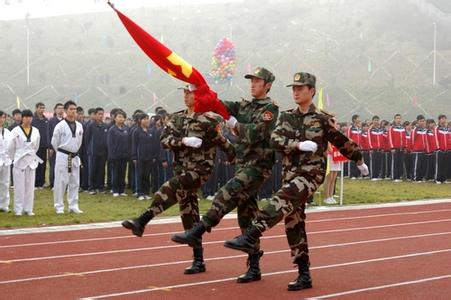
column 302, row 78
column 261, row 73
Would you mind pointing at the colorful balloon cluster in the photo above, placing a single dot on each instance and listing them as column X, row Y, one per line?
column 223, row 60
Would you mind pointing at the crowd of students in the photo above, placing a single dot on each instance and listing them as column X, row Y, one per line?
column 120, row 152
column 419, row 150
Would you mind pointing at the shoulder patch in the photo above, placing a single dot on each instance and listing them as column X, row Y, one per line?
column 267, row 115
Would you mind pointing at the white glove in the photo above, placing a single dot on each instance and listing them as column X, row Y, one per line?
column 193, row 142
column 363, row 169
column 231, row 122
column 308, row 146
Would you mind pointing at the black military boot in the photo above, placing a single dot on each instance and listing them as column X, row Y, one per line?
column 137, row 225
column 253, row 272
column 304, row 281
column 198, row 265
column 192, row 237
column 246, row 242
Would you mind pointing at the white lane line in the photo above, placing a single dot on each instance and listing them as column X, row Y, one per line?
column 209, row 243
column 380, row 287
column 352, row 263
column 218, row 229
column 167, row 220
column 67, row 274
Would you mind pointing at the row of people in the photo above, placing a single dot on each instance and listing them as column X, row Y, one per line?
column 418, row 150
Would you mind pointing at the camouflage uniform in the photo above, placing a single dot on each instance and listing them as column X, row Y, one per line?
column 193, row 165
column 303, row 172
column 255, row 158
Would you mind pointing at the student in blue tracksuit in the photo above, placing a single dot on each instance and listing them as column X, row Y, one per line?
column 96, row 138
column 131, row 165
column 41, row 123
column 58, row 115
column 142, row 155
column 118, row 152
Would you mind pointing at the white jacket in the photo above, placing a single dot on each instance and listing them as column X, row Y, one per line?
column 23, row 151
column 5, row 140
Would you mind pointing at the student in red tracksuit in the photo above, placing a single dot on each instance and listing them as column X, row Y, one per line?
column 408, row 163
column 431, row 149
column 364, row 146
column 386, row 157
column 443, row 157
column 354, row 132
column 419, row 144
column 375, row 145
column 397, row 142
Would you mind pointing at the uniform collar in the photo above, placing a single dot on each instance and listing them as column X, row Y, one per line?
column 264, row 101
column 312, row 109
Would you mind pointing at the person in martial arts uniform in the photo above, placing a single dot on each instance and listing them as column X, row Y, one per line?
column 5, row 163
column 23, row 147
column 66, row 140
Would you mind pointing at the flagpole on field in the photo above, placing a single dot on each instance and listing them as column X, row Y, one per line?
column 341, row 183
column 28, row 53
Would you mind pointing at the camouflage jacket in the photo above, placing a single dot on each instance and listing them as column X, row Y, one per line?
column 257, row 120
column 202, row 125
column 294, row 127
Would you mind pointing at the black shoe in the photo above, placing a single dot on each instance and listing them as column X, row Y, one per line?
column 246, row 242
column 134, row 226
column 198, row 265
column 192, row 237
column 304, row 281
column 253, row 272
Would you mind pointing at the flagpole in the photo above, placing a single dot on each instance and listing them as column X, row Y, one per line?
column 435, row 54
column 341, row 183
column 28, row 54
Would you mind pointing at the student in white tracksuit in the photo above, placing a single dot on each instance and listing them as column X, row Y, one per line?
column 5, row 163
column 23, row 147
column 66, row 140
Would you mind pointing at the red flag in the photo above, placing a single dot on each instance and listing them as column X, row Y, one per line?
column 174, row 65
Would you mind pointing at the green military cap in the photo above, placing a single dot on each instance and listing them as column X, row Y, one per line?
column 261, row 73
column 302, row 78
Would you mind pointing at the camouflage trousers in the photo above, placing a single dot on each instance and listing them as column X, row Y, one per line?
column 289, row 204
column 239, row 192
column 181, row 188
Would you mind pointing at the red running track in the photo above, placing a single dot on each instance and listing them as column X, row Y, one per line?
column 399, row 252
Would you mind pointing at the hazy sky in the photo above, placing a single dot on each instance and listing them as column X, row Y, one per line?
column 18, row 9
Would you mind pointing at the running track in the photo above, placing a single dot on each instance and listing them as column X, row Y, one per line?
column 389, row 252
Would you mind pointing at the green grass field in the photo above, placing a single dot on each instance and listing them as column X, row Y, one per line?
column 103, row 207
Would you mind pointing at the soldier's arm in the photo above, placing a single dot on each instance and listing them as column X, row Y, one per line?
column 225, row 146
column 282, row 138
column 262, row 129
column 232, row 107
column 170, row 137
column 347, row 147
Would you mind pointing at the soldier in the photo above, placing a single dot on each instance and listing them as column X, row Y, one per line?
column 252, row 121
column 66, row 140
column 193, row 137
column 301, row 135
column 5, row 164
